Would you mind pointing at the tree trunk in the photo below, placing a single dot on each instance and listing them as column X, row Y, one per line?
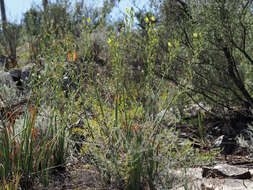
column 45, row 4
column 3, row 14
column 11, row 43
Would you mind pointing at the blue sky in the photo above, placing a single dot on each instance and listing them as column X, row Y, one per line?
column 16, row 8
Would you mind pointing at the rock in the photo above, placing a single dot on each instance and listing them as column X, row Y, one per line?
column 226, row 144
column 228, row 181
column 226, row 171
column 15, row 74
column 224, row 184
column 166, row 115
column 192, row 110
column 6, row 79
column 25, row 71
column 4, row 62
column 16, row 77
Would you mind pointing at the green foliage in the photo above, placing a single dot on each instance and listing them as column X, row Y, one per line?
column 210, row 41
column 124, row 139
column 29, row 150
column 33, row 21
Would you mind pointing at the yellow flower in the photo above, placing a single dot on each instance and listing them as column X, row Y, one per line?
column 86, row 165
column 169, row 44
column 195, row 35
column 85, row 148
column 146, row 20
column 88, row 20
column 109, row 41
column 152, row 18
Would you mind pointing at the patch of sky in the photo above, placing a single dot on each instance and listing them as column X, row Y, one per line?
column 15, row 9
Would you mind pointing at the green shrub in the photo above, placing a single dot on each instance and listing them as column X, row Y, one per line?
column 123, row 138
column 29, row 149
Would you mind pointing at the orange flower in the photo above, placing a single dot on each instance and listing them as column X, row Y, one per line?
column 74, row 56
column 69, row 57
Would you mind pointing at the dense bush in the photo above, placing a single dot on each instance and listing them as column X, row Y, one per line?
column 211, row 45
